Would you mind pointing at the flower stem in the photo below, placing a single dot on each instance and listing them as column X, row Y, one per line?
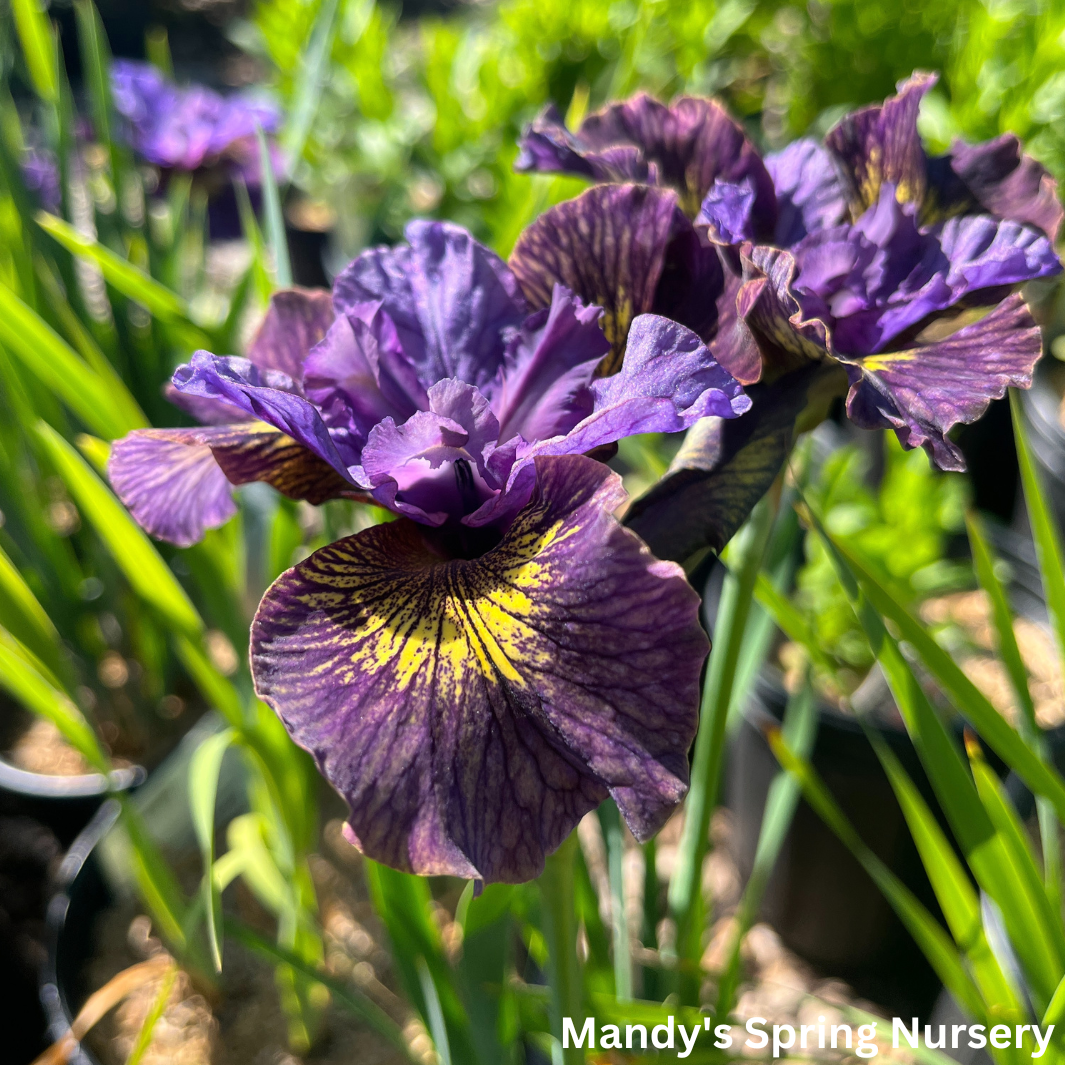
column 685, row 896
column 560, row 931
column 610, row 821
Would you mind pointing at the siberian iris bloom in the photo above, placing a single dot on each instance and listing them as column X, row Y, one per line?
column 192, row 127
column 476, row 675
column 858, row 267
column 628, row 244
column 899, row 268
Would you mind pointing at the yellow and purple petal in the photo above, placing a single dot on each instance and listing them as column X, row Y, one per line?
column 615, row 246
column 879, row 144
column 472, row 711
column 177, row 482
column 923, row 391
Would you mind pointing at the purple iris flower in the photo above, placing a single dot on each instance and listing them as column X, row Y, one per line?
column 897, row 267
column 192, row 127
column 478, row 674
column 686, row 145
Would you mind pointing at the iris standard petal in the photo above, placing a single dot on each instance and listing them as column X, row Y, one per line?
column 809, row 193
column 881, row 143
column 686, row 146
column 542, row 389
column 171, row 484
column 999, row 178
column 668, row 381
column 358, row 375
column 296, row 320
column 434, row 466
column 766, row 304
column 611, row 246
column 548, row 147
column 471, row 712
column 267, row 395
column 923, row 391
column 449, row 297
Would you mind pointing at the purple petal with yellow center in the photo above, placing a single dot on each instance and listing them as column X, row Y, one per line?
column 1000, row 179
column 923, row 391
column 472, row 711
column 176, row 482
column 611, row 246
column 267, row 395
column 433, row 466
column 880, row 144
column 542, row 388
column 809, row 192
column 449, row 298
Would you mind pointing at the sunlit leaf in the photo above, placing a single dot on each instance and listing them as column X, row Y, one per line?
column 38, row 47
column 59, row 368
column 204, row 767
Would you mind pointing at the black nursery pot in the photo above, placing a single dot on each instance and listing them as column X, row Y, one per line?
column 64, row 804
column 819, row 899
column 81, row 893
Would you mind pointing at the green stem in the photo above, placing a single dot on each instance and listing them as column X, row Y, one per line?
column 560, row 931
column 685, row 897
column 610, row 822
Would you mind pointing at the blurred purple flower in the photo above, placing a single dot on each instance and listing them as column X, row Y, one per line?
column 191, row 127
column 477, row 675
column 40, row 173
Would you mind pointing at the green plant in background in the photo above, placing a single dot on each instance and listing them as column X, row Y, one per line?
column 421, row 117
column 1001, row 953
column 901, row 526
column 97, row 305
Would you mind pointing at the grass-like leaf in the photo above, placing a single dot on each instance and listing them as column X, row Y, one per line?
column 685, row 897
column 350, row 999
column 204, row 767
column 39, row 696
column 275, row 219
column 38, row 47
column 954, row 890
column 25, row 618
column 926, row 931
column 95, row 400
column 315, row 68
column 131, row 281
